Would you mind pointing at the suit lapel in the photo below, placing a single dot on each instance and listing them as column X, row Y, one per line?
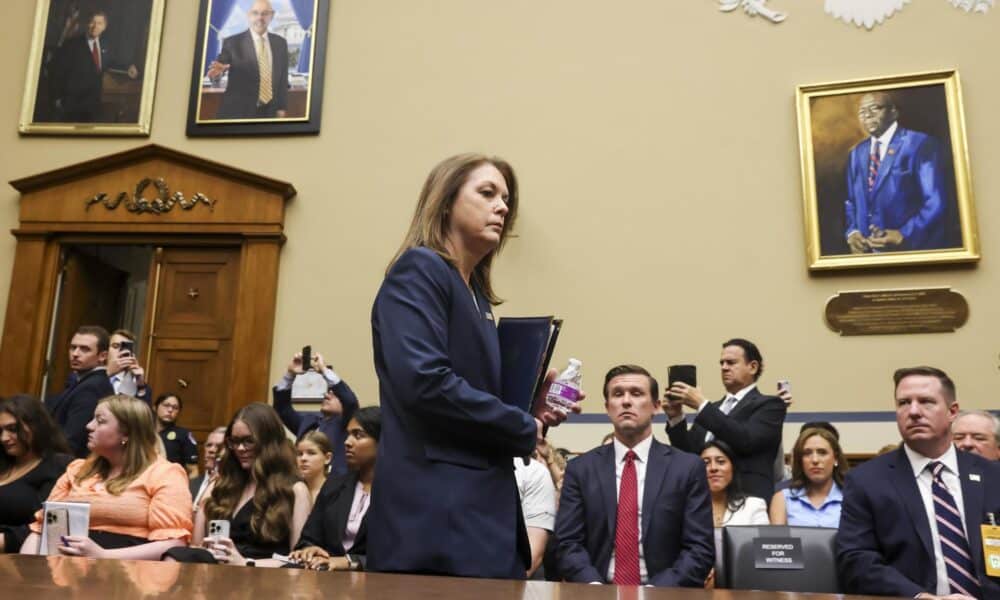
column 656, row 471
column 901, row 475
column 606, row 479
column 890, row 158
column 971, row 478
column 488, row 333
column 342, row 510
column 747, row 404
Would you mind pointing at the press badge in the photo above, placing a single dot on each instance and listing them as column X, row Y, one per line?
column 991, row 549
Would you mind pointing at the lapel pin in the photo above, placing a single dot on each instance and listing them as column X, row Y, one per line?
column 891, row 151
column 489, row 316
column 974, row 477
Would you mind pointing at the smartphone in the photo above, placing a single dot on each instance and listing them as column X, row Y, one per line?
column 306, row 358
column 683, row 373
column 126, row 347
column 56, row 526
column 218, row 528
column 783, row 385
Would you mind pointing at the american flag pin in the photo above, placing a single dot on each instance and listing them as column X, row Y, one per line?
column 974, row 477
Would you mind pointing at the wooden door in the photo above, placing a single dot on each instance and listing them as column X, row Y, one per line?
column 91, row 294
column 191, row 333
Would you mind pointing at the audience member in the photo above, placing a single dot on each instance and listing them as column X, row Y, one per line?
column 538, row 505
column 600, row 525
column 313, row 455
column 748, row 421
column 910, row 524
column 335, row 536
column 74, row 407
column 820, row 425
column 887, row 449
column 179, row 443
column 257, row 491
column 215, row 445
column 33, row 455
column 124, row 371
column 814, row 497
column 140, row 505
column 977, row 431
column 337, row 408
column 730, row 504
column 554, row 461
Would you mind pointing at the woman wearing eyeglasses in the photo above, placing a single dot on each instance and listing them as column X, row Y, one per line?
column 257, row 491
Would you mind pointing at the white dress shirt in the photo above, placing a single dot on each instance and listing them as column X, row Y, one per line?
column 883, row 141
column 96, row 43
column 641, row 460
column 925, row 479
column 537, row 493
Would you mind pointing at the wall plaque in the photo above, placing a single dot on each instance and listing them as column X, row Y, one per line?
column 880, row 312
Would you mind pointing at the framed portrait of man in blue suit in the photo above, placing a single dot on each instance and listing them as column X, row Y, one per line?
column 885, row 172
column 92, row 67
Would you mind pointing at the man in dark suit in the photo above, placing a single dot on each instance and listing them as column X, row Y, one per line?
column 635, row 511
column 76, row 74
column 910, row 523
column 257, row 62
column 74, row 407
column 749, row 421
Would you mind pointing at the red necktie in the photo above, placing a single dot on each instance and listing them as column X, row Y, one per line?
column 96, row 55
column 627, row 526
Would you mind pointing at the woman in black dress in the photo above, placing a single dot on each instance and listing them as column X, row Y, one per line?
column 335, row 535
column 33, row 454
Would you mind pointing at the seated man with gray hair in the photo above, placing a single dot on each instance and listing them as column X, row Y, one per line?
column 977, row 431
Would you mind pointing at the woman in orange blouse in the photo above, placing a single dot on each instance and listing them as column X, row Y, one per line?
column 140, row 504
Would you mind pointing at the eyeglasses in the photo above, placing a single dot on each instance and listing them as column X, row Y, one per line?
column 261, row 13
column 248, row 443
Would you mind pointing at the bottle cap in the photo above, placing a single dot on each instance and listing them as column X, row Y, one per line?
column 574, row 362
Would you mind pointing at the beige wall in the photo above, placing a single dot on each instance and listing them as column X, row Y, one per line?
column 657, row 149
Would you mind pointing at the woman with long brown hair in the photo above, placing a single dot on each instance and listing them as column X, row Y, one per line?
column 140, row 504
column 257, row 491
column 814, row 497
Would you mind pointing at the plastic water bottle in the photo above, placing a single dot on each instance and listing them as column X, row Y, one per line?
column 564, row 392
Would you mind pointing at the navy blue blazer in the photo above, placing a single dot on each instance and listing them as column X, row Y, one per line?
column 884, row 543
column 333, row 427
column 911, row 194
column 752, row 430
column 74, row 407
column 446, row 501
column 677, row 537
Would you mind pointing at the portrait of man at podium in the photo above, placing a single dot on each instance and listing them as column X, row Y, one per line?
column 89, row 68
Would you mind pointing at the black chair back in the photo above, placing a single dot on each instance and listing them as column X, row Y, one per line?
column 765, row 558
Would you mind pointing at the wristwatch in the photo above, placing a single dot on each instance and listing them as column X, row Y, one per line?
column 250, row 563
column 352, row 564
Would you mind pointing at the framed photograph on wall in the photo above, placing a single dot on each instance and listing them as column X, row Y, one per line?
column 885, row 172
column 258, row 67
column 92, row 67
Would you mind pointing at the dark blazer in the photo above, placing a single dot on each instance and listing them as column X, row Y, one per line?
column 752, row 430
column 884, row 543
column 446, row 501
column 240, row 98
column 332, row 426
column 74, row 407
column 76, row 82
column 195, row 484
column 677, row 537
column 328, row 519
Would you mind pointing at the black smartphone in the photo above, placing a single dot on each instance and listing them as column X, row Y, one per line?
column 306, row 358
column 126, row 347
column 684, row 373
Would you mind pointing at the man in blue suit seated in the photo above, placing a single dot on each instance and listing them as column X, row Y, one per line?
column 910, row 523
column 635, row 511
column 898, row 196
column 339, row 404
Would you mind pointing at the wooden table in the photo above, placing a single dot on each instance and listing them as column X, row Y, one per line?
column 41, row 578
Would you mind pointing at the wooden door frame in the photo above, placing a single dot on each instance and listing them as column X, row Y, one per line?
column 55, row 211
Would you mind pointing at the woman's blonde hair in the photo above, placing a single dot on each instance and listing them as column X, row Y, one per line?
column 429, row 227
column 137, row 422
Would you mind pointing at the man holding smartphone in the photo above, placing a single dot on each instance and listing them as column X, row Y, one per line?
column 124, row 371
column 747, row 420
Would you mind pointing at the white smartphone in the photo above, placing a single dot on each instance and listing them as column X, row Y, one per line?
column 56, row 526
column 218, row 528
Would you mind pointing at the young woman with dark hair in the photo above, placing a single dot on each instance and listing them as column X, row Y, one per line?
column 33, row 454
column 730, row 506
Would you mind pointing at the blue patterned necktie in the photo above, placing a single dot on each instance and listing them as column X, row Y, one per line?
column 954, row 545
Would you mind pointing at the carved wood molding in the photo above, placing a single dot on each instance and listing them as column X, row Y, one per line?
column 164, row 201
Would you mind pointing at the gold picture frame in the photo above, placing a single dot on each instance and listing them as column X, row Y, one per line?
column 76, row 87
column 913, row 203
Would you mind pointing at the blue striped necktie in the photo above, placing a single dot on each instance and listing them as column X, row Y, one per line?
column 954, row 545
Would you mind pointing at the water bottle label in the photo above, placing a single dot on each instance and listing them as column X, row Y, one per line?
column 565, row 392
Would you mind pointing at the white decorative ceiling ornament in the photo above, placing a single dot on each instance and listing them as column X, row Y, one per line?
column 979, row 6
column 757, row 7
column 866, row 13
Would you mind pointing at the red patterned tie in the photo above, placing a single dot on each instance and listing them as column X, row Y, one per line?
column 96, row 55
column 627, row 526
column 874, row 161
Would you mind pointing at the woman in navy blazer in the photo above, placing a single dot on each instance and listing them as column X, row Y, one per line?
column 446, row 500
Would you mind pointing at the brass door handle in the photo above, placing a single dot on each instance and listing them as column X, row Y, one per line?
column 182, row 383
